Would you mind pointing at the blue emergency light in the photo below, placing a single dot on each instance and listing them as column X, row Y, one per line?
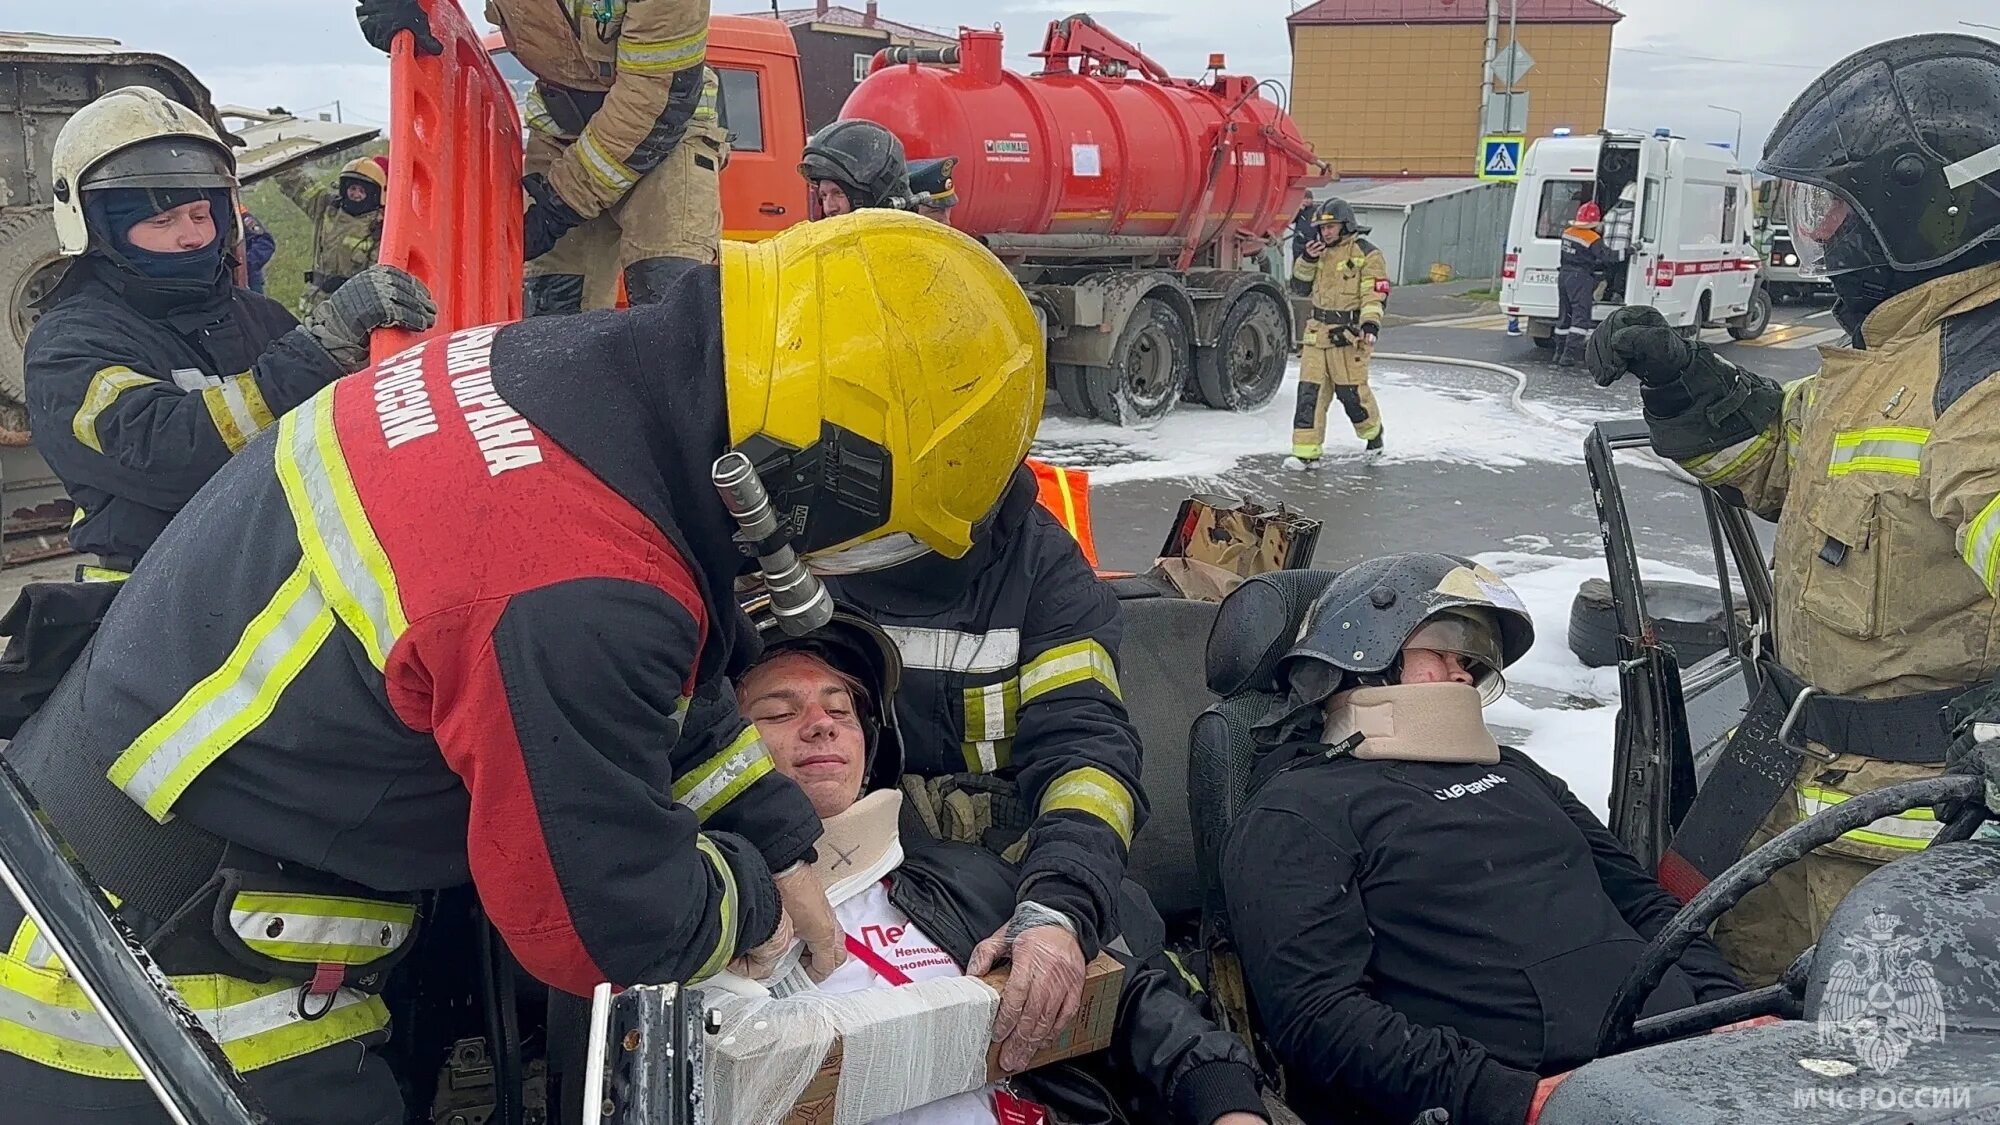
column 1663, row 131
column 1559, row 131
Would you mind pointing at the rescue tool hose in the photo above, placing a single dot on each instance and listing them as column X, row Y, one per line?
column 798, row 599
column 175, row 1054
column 1753, row 871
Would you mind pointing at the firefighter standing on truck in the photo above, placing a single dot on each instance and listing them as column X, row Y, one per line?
column 151, row 369
column 625, row 148
column 1585, row 257
column 347, row 222
column 516, row 675
column 1348, row 281
column 1882, row 471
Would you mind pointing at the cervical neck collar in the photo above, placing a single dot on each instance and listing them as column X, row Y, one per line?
column 860, row 846
column 1413, row 723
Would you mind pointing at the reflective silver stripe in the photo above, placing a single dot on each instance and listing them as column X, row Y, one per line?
column 326, row 510
column 1982, row 544
column 602, row 167
column 1913, row 829
column 296, row 928
column 1068, row 664
column 1978, row 166
column 948, row 650
column 236, row 1022
column 989, row 711
column 1715, row 466
column 711, row 785
column 989, row 755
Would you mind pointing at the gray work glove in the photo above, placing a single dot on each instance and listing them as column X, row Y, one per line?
column 377, row 297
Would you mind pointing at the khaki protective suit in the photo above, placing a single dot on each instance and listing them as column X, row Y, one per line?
column 343, row 244
column 1349, row 282
column 611, row 127
column 1883, row 472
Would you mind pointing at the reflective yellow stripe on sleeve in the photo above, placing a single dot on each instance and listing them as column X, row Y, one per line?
column 238, row 409
column 229, row 702
column 725, row 908
column 45, row 1018
column 1885, row 449
column 715, row 782
column 608, row 171
column 320, row 929
column 662, row 56
column 1068, row 664
column 1981, row 549
column 1911, row 830
column 1091, row 790
column 341, row 551
column 1725, row 463
column 104, row 389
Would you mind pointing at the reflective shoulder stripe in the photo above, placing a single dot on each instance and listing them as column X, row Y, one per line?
column 1724, row 463
column 725, row 943
column 104, row 389
column 320, row 929
column 345, row 558
column 31, row 948
column 948, row 650
column 45, row 1018
column 1068, row 664
column 607, row 170
column 1912, row 830
column 1981, row 550
column 990, row 710
column 1091, row 790
column 228, row 703
column 715, row 782
column 662, row 56
column 1886, row 449
column 238, row 409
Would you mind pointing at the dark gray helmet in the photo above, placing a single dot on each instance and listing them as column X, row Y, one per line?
column 1892, row 157
column 1355, row 631
column 1333, row 211
column 852, row 643
column 864, row 158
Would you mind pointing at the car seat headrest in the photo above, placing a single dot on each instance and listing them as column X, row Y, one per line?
column 1255, row 626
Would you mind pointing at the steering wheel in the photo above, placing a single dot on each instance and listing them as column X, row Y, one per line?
column 1753, row 871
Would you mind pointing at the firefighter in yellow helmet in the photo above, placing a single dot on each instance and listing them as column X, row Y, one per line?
column 347, row 221
column 625, row 149
column 1348, row 281
column 516, row 675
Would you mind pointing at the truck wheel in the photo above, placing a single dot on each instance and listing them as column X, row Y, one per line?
column 1149, row 366
column 30, row 266
column 1754, row 320
column 1069, row 381
column 1247, row 364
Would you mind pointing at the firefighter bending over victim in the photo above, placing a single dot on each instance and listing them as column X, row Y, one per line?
column 150, row 368
column 912, row 907
column 1348, row 282
column 1882, row 471
column 516, row 675
column 347, row 222
column 853, row 164
column 625, row 149
column 1010, row 667
column 1428, row 921
column 932, row 189
column 1585, row 258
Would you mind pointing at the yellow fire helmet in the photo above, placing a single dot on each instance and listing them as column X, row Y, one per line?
column 885, row 375
column 135, row 137
column 374, row 169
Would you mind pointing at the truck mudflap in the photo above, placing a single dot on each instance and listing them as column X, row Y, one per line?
column 454, row 201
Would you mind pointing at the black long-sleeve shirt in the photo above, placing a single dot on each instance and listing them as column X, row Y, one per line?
column 1421, row 935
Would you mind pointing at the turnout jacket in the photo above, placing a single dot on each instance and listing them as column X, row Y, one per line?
column 135, row 407
column 343, row 244
column 1348, row 283
column 466, row 616
column 1585, row 251
column 1168, row 1060
column 1423, row 935
column 1010, row 668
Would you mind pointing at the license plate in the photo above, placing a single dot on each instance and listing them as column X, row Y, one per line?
column 1539, row 277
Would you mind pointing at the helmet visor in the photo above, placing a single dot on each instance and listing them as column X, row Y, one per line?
column 864, row 558
column 1473, row 638
column 163, row 162
column 1826, row 232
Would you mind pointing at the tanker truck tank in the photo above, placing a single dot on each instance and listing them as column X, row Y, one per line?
column 1136, row 207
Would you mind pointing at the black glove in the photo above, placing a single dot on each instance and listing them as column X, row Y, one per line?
column 1975, row 746
column 547, row 220
column 1637, row 339
column 377, row 297
column 1369, row 332
column 382, row 19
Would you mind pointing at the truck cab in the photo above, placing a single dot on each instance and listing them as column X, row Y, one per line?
column 1680, row 213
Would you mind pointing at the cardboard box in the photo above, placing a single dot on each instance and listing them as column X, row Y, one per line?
column 1089, row 1031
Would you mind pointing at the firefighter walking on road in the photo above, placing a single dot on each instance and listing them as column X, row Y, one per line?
column 625, row 148
column 347, row 222
column 1882, row 471
column 1585, row 257
column 1348, row 282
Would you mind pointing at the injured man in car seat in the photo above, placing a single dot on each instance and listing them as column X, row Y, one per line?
column 823, row 705
column 1426, row 920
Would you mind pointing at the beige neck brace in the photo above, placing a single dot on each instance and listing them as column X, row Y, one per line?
column 1413, row 723
column 860, row 846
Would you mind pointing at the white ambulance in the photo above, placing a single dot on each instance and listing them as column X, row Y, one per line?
column 1681, row 212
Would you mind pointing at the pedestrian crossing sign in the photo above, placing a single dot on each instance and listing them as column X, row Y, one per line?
column 1500, row 158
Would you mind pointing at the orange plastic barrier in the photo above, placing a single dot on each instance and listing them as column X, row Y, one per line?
column 454, row 201
column 1066, row 494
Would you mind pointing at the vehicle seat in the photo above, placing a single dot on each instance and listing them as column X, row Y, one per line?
column 1254, row 628
column 1164, row 692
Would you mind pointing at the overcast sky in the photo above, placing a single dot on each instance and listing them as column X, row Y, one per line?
column 1671, row 58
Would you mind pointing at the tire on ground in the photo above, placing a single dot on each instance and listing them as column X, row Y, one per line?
column 1689, row 618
